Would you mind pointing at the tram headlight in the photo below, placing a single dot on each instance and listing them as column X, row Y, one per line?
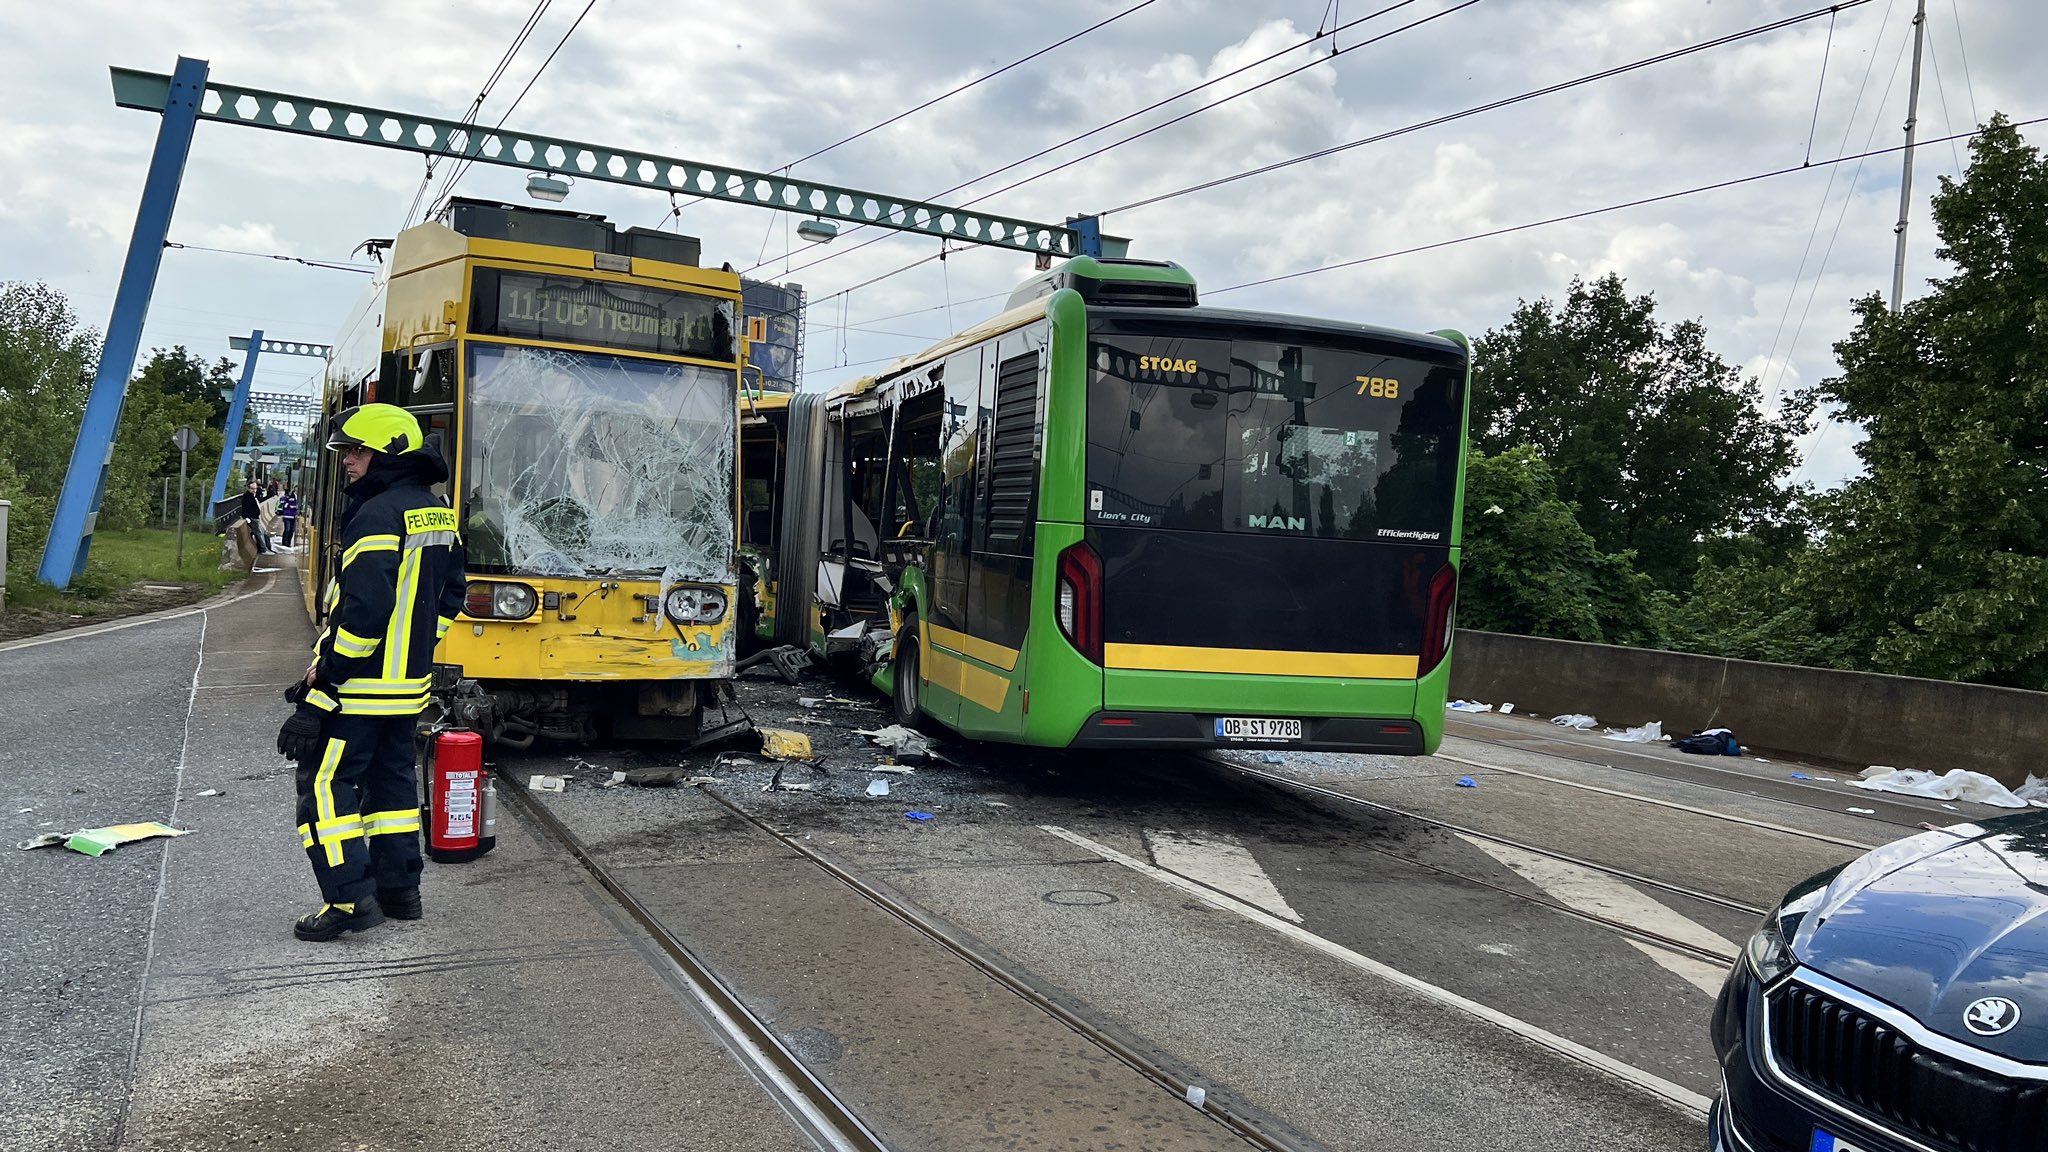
column 490, row 600
column 694, row 605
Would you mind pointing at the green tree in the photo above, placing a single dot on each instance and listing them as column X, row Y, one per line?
column 160, row 399
column 1530, row 569
column 47, row 362
column 1933, row 563
column 1659, row 443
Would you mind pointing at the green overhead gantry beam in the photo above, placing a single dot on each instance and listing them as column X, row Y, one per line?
column 284, row 347
column 434, row 136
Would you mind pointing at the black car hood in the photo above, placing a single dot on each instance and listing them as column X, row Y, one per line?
column 1935, row 923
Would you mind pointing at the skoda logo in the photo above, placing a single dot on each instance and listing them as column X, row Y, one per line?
column 1991, row 1016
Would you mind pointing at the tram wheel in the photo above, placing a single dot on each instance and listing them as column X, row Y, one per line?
column 907, row 685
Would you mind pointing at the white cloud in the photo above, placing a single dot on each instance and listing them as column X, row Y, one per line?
column 762, row 84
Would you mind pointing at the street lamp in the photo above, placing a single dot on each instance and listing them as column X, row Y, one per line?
column 544, row 186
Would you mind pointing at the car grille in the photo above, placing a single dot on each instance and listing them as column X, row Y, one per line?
column 1876, row 1070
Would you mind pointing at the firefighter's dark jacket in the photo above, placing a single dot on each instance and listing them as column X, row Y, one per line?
column 398, row 591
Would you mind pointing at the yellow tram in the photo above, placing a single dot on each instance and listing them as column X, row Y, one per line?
column 581, row 382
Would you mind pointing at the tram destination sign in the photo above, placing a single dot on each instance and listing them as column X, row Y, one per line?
column 605, row 313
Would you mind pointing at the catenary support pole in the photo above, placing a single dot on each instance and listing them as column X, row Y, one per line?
column 78, row 504
column 1906, row 178
column 237, row 409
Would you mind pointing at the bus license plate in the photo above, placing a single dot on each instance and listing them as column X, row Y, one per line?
column 1256, row 728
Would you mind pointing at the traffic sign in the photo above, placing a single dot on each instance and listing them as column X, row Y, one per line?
column 185, row 438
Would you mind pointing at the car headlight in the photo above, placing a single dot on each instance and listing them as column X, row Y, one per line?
column 1770, row 957
column 1770, row 950
column 694, row 605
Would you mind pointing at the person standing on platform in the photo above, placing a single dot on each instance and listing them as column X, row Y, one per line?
column 398, row 591
column 252, row 513
column 288, row 512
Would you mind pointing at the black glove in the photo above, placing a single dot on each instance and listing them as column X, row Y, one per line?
column 296, row 693
column 301, row 736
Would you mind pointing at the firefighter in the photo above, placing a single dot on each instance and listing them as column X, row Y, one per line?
column 399, row 589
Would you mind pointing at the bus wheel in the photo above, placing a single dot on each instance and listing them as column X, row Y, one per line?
column 907, row 686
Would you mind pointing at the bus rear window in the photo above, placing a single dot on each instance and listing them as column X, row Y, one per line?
column 1201, row 428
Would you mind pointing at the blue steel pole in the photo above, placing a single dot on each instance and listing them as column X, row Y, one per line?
column 78, row 505
column 236, row 409
column 1088, row 230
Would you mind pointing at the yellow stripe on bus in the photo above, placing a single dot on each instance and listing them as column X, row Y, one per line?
column 986, row 651
column 1256, row 662
column 975, row 685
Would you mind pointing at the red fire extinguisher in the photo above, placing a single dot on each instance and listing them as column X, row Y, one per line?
column 462, row 802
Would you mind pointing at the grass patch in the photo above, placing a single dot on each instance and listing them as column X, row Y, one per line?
column 111, row 585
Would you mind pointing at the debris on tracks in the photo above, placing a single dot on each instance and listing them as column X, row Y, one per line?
column 782, row 744
column 900, row 740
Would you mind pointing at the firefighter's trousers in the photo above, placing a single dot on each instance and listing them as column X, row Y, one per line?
column 359, row 808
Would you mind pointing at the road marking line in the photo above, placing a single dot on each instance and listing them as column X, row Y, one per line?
column 85, row 630
column 1699, row 973
column 1604, row 896
column 1859, row 845
column 1221, row 865
column 1648, row 1081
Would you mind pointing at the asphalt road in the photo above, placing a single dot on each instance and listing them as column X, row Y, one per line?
column 1338, row 976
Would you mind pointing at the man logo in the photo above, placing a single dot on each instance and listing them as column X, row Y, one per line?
column 1277, row 523
column 1991, row 1016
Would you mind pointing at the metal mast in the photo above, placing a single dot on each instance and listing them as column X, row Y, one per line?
column 1906, row 182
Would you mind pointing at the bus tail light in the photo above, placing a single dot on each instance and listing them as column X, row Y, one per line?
column 1079, row 599
column 1438, row 619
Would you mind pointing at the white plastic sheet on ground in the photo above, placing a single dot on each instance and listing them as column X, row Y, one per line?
column 1956, row 784
column 1467, row 706
column 1647, row 734
column 900, row 740
column 1577, row 720
column 2034, row 791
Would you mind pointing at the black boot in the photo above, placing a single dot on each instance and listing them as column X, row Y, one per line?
column 333, row 919
column 400, row 903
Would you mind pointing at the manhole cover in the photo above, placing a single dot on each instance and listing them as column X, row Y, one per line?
column 1078, row 897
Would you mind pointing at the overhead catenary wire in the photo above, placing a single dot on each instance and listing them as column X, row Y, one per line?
column 1590, row 212
column 1125, row 119
column 1477, row 109
column 464, row 165
column 1820, row 209
column 676, row 209
column 483, row 93
column 1842, row 215
column 1820, row 89
column 331, row 265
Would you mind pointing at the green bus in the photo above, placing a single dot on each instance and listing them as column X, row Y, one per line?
column 1113, row 517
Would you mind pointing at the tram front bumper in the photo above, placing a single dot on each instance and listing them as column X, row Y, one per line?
column 1389, row 737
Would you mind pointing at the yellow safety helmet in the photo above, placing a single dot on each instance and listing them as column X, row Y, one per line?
column 378, row 427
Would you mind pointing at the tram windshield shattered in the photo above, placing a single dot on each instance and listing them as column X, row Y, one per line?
column 586, row 463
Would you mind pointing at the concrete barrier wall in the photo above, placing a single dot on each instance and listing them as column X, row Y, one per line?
column 1856, row 717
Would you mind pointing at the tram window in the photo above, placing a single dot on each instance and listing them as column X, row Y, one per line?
column 759, row 523
column 439, row 430
column 426, row 377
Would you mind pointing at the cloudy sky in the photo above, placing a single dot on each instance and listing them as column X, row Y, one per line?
column 1770, row 266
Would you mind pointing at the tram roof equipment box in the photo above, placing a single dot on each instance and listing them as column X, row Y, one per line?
column 562, row 229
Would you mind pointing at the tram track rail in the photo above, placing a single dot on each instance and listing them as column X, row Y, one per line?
column 1704, row 774
column 812, row 1104
column 1620, row 927
column 829, row 1119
